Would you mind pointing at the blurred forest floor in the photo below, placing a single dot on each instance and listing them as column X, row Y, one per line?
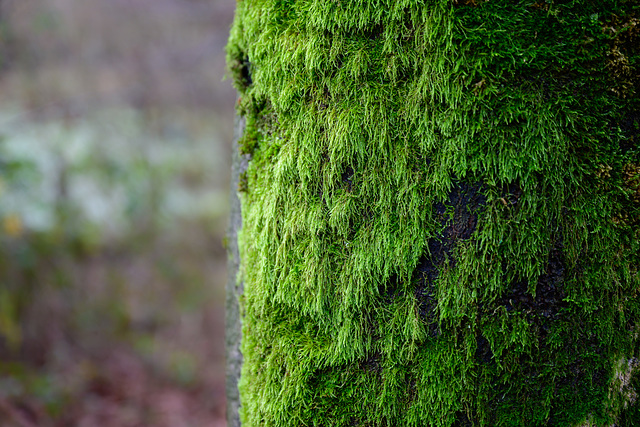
column 115, row 132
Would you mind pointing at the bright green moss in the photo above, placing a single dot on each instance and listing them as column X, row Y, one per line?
column 440, row 214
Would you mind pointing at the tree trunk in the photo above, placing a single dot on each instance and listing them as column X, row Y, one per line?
column 440, row 213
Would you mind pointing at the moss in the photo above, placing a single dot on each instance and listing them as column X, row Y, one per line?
column 438, row 227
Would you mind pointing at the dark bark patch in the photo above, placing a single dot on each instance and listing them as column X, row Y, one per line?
column 630, row 127
column 549, row 298
column 240, row 67
column 375, row 32
column 373, row 363
column 347, row 178
column 462, row 420
column 412, row 389
column 511, row 194
column 483, row 350
column 459, row 217
column 245, row 72
column 425, row 275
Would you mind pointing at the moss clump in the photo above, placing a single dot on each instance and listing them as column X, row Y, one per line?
column 434, row 225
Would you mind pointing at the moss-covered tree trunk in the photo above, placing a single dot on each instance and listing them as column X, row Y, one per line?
column 440, row 212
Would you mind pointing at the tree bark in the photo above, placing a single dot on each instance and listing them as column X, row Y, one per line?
column 234, row 286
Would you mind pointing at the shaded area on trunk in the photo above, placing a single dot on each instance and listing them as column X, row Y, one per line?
column 458, row 216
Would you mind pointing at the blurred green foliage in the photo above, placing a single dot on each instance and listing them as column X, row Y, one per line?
column 113, row 180
column 85, row 199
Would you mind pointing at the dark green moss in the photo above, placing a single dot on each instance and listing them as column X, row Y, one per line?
column 442, row 222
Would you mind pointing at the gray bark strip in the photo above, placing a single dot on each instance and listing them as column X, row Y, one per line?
column 234, row 288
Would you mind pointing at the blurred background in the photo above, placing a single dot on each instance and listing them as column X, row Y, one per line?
column 115, row 136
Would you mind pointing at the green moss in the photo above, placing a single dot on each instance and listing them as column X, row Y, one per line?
column 440, row 222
